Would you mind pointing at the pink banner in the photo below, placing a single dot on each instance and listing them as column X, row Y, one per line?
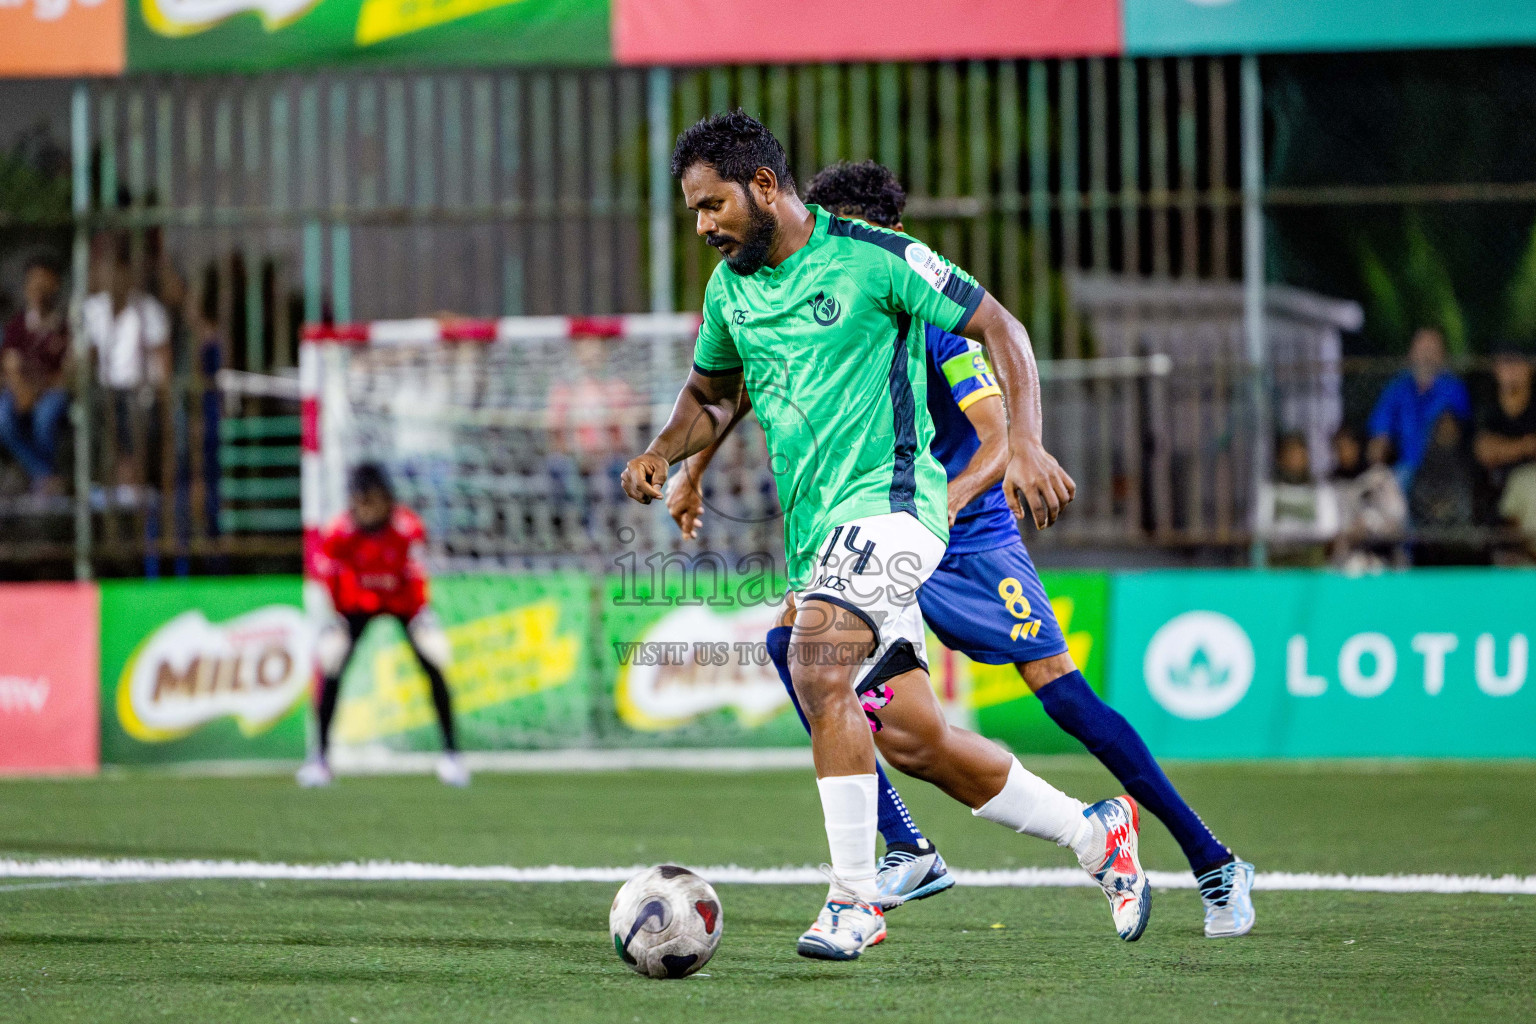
column 49, row 678
column 737, row 31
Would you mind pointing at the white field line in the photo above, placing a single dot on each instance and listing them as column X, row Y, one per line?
column 1020, row 878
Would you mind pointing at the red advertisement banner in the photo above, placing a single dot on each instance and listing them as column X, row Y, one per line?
column 49, row 663
column 739, row 31
column 41, row 38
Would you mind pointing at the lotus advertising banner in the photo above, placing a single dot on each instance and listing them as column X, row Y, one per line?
column 521, row 676
column 1175, row 27
column 262, row 35
column 204, row 669
column 1279, row 664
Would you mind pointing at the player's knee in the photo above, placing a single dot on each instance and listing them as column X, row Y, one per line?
column 1047, row 670
column 820, row 688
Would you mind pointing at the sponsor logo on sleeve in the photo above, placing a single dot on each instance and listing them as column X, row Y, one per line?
column 928, row 265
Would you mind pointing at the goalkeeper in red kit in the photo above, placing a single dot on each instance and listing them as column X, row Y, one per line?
column 370, row 561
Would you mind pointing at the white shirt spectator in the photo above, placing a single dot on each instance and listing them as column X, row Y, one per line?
column 123, row 342
column 1298, row 512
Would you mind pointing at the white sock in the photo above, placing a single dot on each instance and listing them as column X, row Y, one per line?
column 1029, row 804
column 849, row 804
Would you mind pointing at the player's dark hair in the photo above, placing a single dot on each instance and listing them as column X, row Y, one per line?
column 370, row 478
column 735, row 144
column 866, row 190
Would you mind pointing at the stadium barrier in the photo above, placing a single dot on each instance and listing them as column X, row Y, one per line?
column 1227, row 664
column 1428, row 663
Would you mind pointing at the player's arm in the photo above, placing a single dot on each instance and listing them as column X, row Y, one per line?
column 1495, row 451
column 991, row 459
column 1033, row 478
column 685, row 495
column 704, row 408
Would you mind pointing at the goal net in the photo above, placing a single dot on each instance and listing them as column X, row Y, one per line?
column 507, row 438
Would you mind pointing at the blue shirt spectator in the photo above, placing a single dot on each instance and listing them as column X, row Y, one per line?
column 1405, row 414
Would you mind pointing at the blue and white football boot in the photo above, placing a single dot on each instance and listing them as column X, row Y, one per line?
column 911, row 871
column 846, row 926
column 1228, row 895
column 1108, row 853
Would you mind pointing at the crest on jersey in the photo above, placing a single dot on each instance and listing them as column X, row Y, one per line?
column 826, row 309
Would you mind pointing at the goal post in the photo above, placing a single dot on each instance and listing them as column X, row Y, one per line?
column 504, row 435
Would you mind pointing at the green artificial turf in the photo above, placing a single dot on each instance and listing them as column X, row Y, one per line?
column 434, row 951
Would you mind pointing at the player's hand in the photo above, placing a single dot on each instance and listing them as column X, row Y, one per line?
column 643, row 478
column 685, row 502
column 1036, row 485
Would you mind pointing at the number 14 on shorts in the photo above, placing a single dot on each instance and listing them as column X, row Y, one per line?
column 1012, row 593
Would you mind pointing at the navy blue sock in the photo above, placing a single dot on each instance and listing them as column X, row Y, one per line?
column 1073, row 705
column 894, row 820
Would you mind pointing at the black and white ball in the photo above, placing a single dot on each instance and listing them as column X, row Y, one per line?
column 666, row 922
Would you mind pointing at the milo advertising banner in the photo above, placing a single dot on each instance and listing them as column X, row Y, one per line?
column 1278, row 664
column 521, row 674
column 204, row 669
column 262, row 35
column 695, row 671
column 682, row 649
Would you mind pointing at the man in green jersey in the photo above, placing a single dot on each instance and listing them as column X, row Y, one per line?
column 820, row 319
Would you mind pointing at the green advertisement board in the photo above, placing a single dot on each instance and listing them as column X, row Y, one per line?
column 1430, row 663
column 1155, row 27
column 521, row 675
column 196, row 36
column 697, row 672
column 204, row 669
column 1003, row 706
column 694, row 670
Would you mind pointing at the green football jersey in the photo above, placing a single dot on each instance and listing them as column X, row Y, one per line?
column 830, row 343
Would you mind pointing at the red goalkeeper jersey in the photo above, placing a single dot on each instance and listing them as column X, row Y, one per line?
column 375, row 572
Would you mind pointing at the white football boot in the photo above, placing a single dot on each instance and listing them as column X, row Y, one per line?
column 909, row 872
column 315, row 774
column 1108, row 853
column 846, row 926
column 451, row 771
column 1229, row 901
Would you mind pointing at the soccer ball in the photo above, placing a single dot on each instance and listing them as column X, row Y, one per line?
column 665, row 922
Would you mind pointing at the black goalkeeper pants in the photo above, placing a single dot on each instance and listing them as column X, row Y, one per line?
column 330, row 685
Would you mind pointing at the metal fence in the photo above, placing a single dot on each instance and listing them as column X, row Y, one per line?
column 251, row 205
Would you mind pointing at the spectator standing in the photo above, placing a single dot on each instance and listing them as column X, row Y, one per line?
column 1373, row 513
column 1409, row 406
column 1440, row 502
column 1506, row 440
column 1297, row 514
column 34, row 366
column 130, row 332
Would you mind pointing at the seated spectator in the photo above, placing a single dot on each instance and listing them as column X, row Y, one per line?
column 34, row 367
column 1372, row 510
column 1412, row 401
column 1506, row 440
column 130, row 332
column 1297, row 514
column 1440, row 502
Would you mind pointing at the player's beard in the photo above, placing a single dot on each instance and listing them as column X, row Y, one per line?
column 756, row 243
